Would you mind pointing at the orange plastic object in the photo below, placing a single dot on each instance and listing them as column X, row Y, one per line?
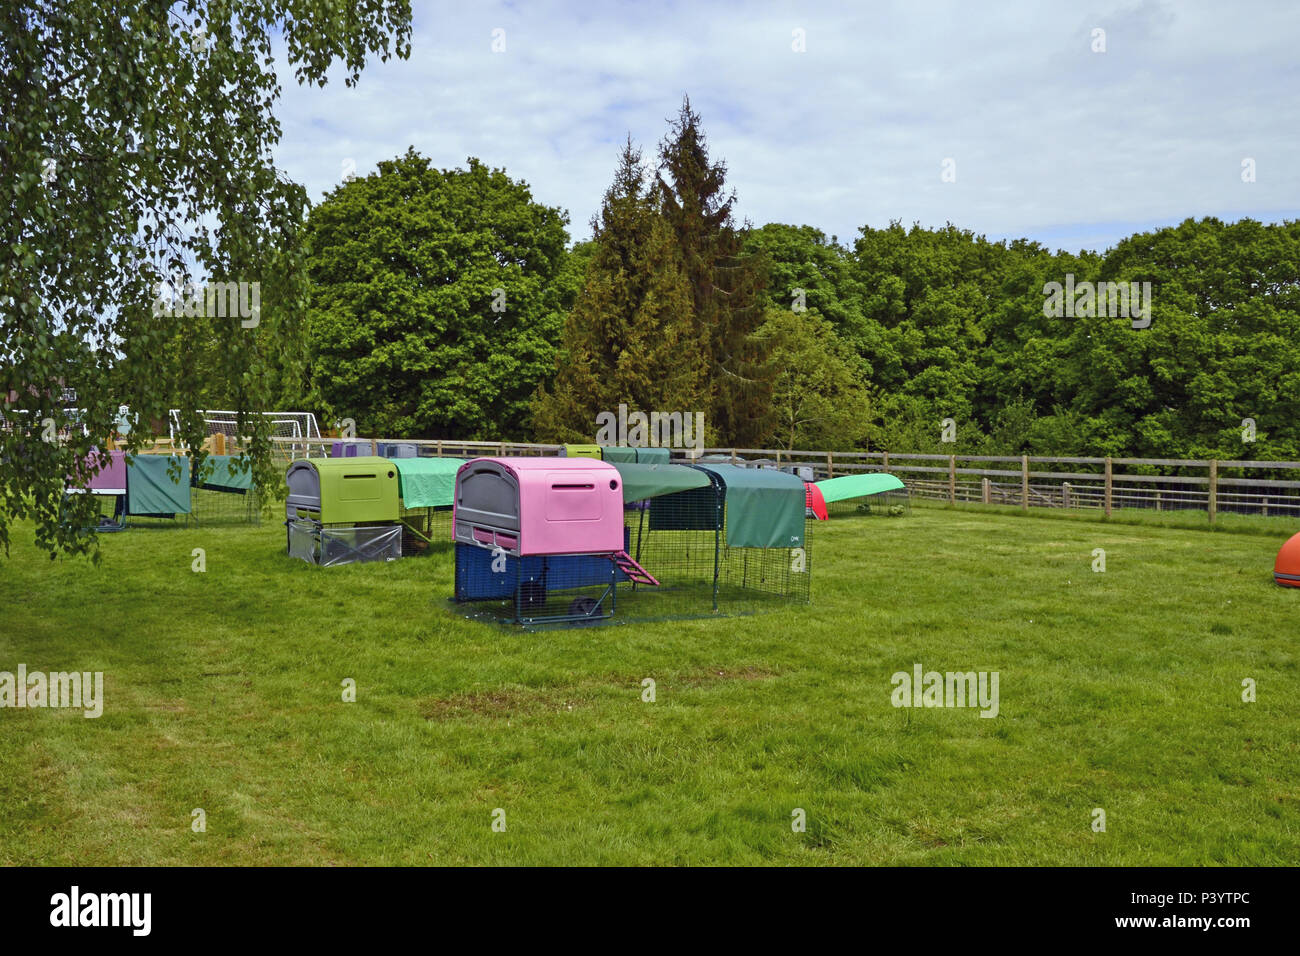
column 1286, row 569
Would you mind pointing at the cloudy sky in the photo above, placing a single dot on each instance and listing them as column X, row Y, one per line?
column 1048, row 139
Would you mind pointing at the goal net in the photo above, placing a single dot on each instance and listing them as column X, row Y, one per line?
column 300, row 426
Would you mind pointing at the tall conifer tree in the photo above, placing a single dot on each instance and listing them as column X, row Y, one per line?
column 727, row 287
column 628, row 339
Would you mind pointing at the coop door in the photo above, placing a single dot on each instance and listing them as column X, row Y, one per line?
column 363, row 486
column 573, row 496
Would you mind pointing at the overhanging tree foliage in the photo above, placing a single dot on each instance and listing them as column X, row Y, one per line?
column 135, row 143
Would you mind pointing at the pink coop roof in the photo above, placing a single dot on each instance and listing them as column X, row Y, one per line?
column 540, row 505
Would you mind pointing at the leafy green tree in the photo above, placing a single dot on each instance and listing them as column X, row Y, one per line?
column 1223, row 345
column 135, row 147
column 806, row 269
column 628, row 338
column 193, row 349
column 819, row 397
column 955, row 326
column 437, row 299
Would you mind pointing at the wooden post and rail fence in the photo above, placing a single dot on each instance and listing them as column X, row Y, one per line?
column 1025, row 481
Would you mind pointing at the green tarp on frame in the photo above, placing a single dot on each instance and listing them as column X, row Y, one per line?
column 223, row 472
column 617, row 453
column 650, row 481
column 427, row 482
column 765, row 508
column 857, row 486
column 151, row 489
column 642, row 456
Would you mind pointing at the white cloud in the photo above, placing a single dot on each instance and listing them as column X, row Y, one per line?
column 1051, row 140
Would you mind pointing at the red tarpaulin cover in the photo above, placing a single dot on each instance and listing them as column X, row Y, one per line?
column 815, row 500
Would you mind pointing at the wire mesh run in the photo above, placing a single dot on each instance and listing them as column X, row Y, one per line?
column 892, row 504
column 697, row 571
column 426, row 530
column 682, row 538
column 209, row 507
column 564, row 589
column 679, row 539
column 330, row 545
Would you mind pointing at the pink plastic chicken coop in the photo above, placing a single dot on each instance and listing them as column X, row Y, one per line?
column 544, row 533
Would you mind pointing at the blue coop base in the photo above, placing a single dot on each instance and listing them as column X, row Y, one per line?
column 539, row 588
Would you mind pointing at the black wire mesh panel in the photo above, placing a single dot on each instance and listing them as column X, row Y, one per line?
column 677, row 537
column 680, row 539
column 209, row 507
column 781, row 572
column 110, row 512
column 212, row 506
column 891, row 504
column 162, row 520
column 426, row 530
column 566, row 589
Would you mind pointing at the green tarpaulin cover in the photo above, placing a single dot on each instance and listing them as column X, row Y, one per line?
column 642, row 456
column 222, row 472
column 857, row 486
column 651, row 481
column 427, row 482
column 765, row 509
column 151, row 490
column 653, row 456
column 617, row 453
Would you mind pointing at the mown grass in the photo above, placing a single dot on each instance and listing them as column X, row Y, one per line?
column 1119, row 690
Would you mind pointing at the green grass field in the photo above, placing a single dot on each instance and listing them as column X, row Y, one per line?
column 1119, row 690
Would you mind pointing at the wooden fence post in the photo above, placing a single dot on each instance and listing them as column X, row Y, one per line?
column 1024, row 482
column 830, row 465
column 374, row 446
column 1110, row 485
column 440, row 448
column 886, row 462
column 984, row 491
column 733, row 457
column 1065, row 494
column 952, row 479
column 1214, row 488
